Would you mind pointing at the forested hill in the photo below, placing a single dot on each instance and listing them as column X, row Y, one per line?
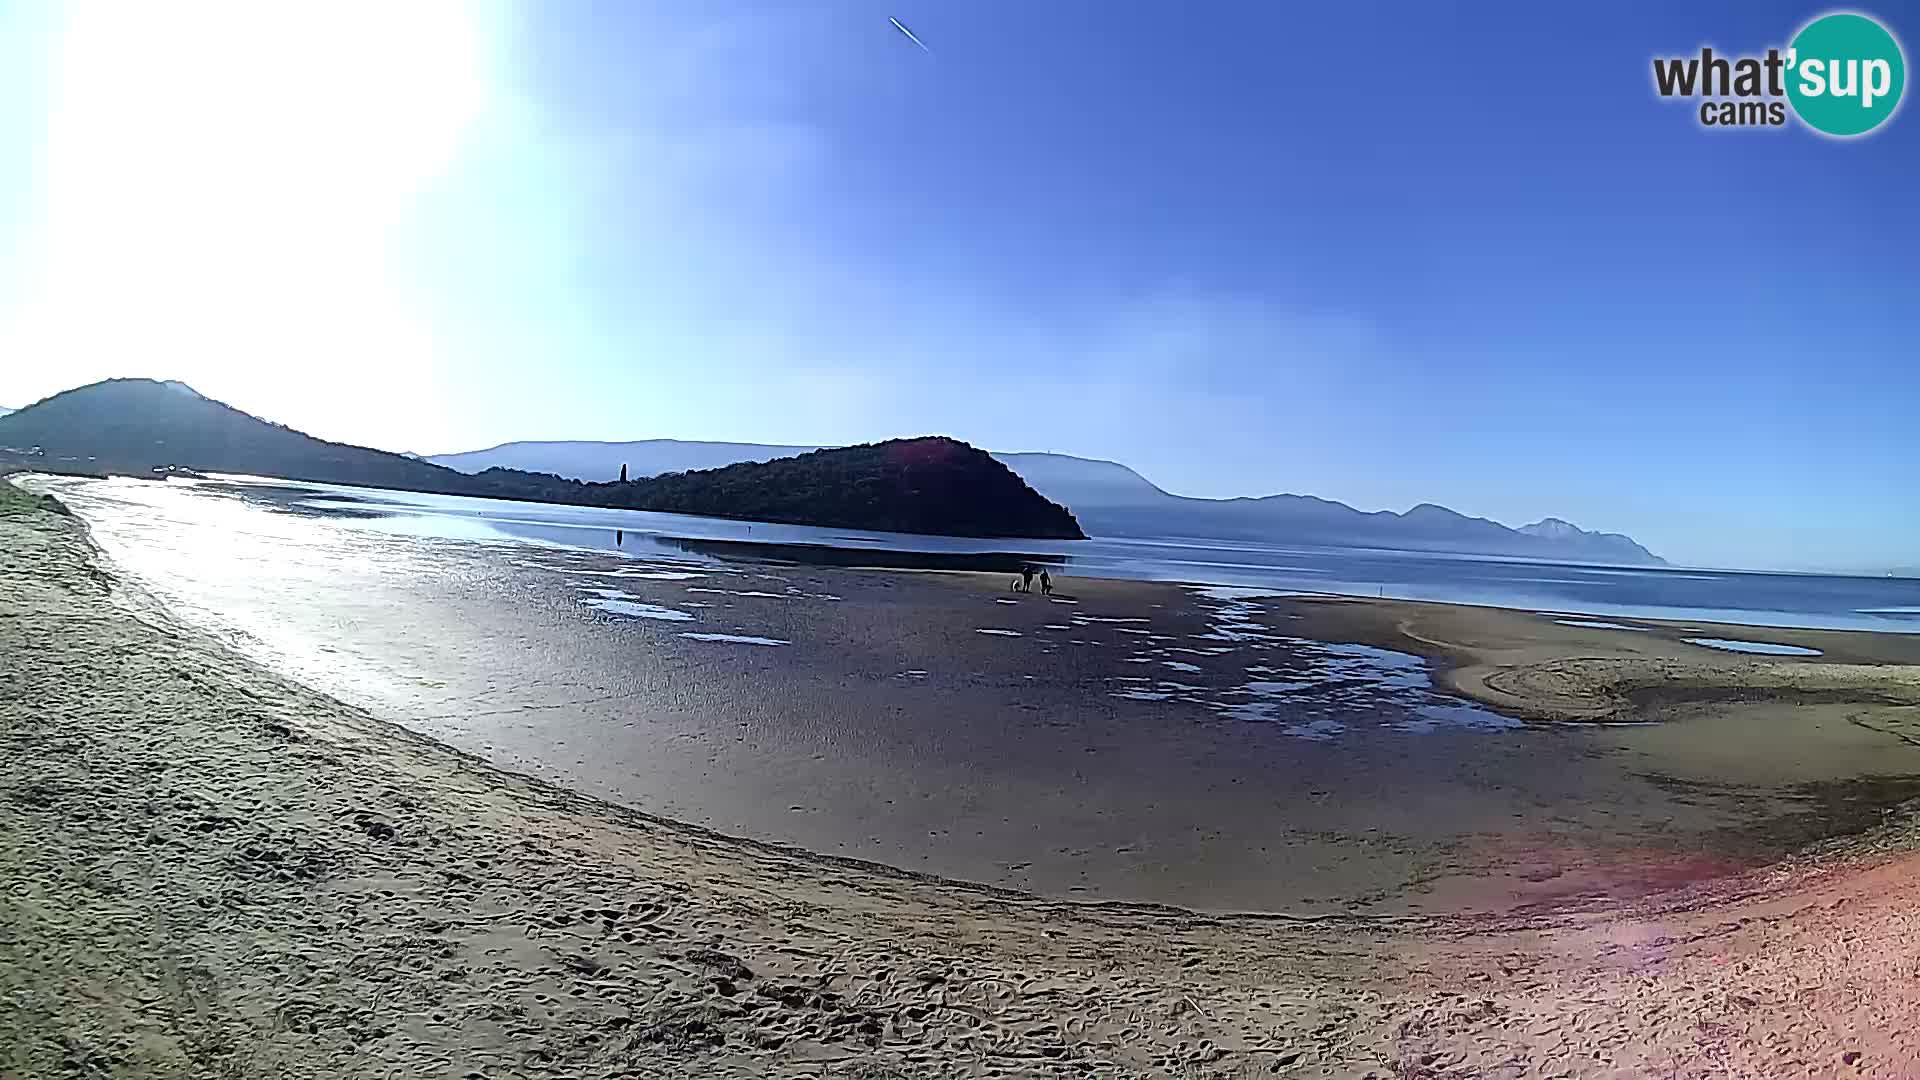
column 929, row 485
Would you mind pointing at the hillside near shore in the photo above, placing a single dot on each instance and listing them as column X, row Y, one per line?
column 930, row 485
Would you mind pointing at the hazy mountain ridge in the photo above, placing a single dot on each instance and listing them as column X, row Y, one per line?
column 1110, row 498
column 132, row 425
column 1552, row 528
column 930, row 485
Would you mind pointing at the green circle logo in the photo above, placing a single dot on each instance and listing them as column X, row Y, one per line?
column 1845, row 74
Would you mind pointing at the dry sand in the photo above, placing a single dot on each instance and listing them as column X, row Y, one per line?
column 211, row 871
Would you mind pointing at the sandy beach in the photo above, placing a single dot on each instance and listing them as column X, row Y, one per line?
column 1215, row 749
column 213, row 870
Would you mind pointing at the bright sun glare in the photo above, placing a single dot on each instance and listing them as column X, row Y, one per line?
column 221, row 180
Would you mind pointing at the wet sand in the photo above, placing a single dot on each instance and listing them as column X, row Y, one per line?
column 213, row 871
column 1132, row 741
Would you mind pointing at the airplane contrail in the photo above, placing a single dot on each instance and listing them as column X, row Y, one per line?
column 898, row 25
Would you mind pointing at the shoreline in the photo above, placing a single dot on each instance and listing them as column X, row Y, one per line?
column 1007, row 558
column 339, row 896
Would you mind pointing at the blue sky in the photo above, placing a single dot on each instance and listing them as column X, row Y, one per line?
column 1382, row 253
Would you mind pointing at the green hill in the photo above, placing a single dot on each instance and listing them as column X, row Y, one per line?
column 928, row 485
column 931, row 485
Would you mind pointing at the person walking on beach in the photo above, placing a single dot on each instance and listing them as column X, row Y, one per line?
column 1046, row 582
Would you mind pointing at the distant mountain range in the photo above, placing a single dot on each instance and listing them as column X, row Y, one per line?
column 929, row 485
column 1111, row 499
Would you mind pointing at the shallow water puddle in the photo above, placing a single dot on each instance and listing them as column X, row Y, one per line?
column 644, row 571
column 738, row 639
column 619, row 603
column 1765, row 648
column 643, row 575
column 1242, row 592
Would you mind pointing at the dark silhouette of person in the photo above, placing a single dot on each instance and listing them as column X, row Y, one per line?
column 1026, row 578
column 1046, row 583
